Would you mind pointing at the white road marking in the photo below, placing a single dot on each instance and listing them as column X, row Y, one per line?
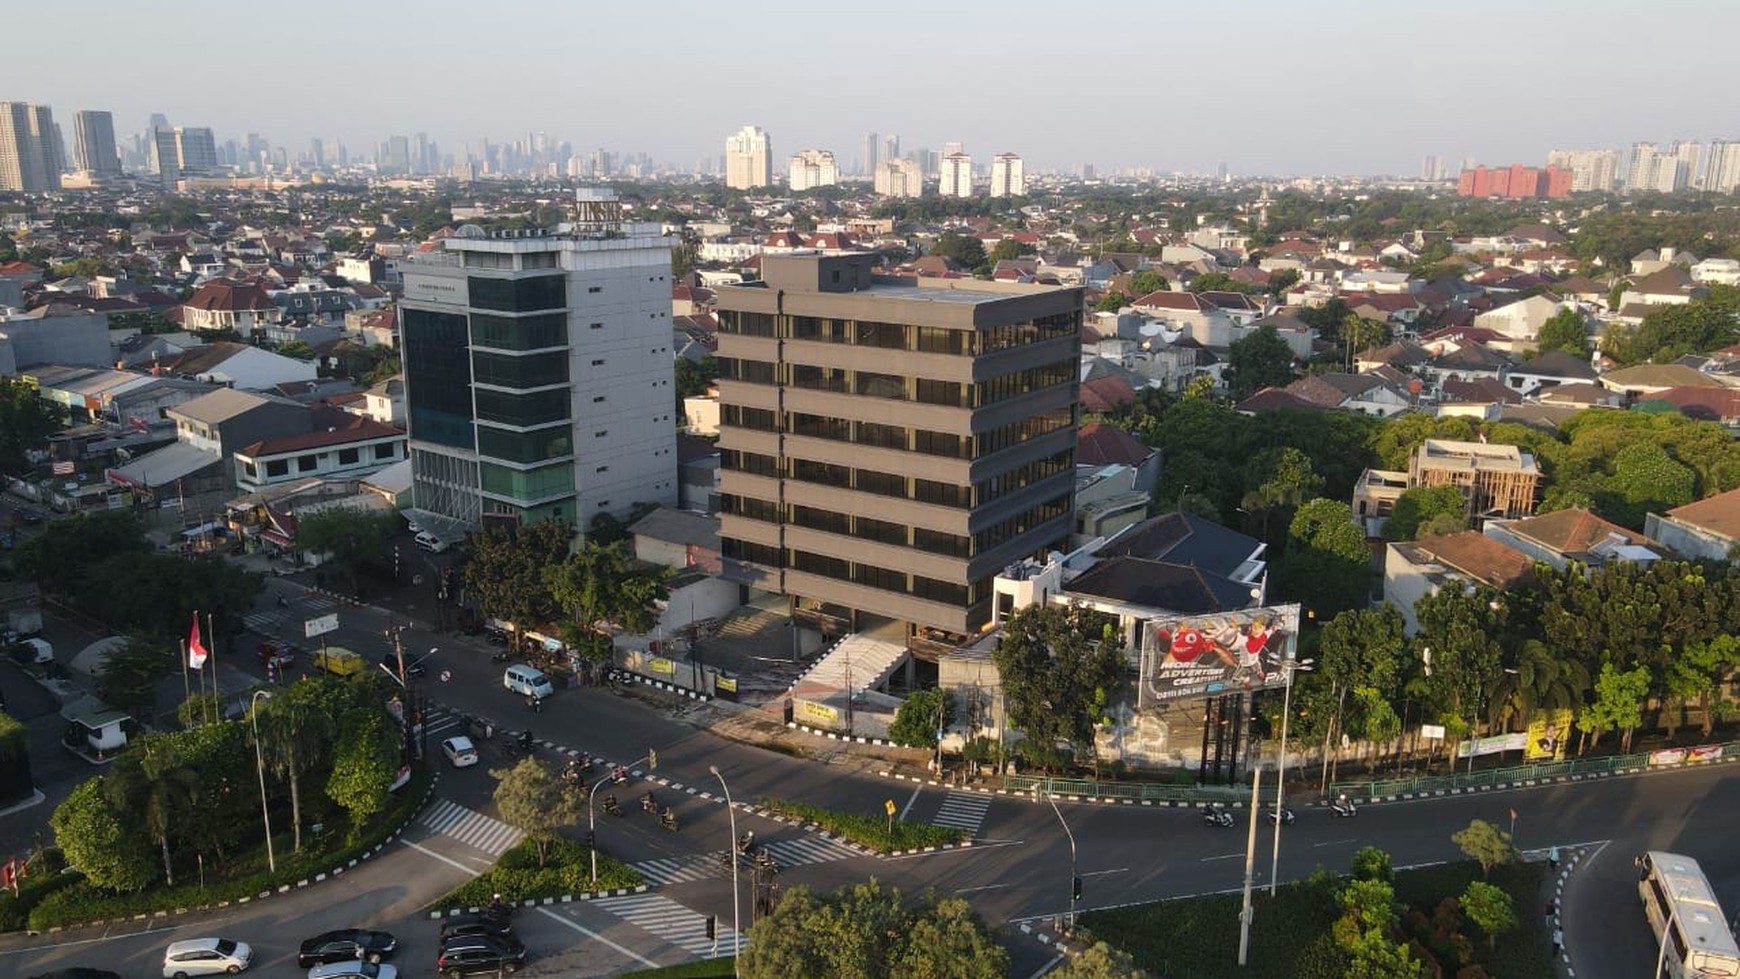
column 909, row 803
column 441, row 857
column 1337, row 842
column 553, row 916
column 985, row 887
column 1047, row 967
column 1097, row 873
column 1224, row 856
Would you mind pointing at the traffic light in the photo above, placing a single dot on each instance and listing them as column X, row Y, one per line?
column 712, row 927
column 652, row 760
column 1075, row 888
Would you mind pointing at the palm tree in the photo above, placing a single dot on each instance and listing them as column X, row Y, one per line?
column 162, row 796
column 294, row 738
column 1541, row 682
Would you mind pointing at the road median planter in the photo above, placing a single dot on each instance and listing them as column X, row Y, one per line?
column 566, row 875
column 877, row 833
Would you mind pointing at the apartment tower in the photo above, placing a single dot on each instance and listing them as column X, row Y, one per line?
column 899, row 178
column 956, row 178
column 1007, row 178
column 811, row 169
column 94, row 144
column 30, row 153
column 891, row 444
column 748, row 159
column 538, row 370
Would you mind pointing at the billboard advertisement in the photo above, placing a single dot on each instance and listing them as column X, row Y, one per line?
column 1185, row 656
column 1547, row 733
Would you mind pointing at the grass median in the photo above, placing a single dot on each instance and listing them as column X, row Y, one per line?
column 874, row 831
column 517, row 876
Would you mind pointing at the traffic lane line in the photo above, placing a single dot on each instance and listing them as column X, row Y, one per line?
column 1224, row 856
column 582, row 929
column 909, row 802
column 1100, row 873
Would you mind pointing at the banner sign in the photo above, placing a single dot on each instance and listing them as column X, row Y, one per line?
column 658, row 664
column 320, row 625
column 1432, row 732
column 725, row 684
column 811, row 711
column 1186, row 656
column 1547, row 730
column 1675, row 756
column 1493, row 745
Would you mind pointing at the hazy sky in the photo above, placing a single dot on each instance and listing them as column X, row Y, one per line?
column 1303, row 86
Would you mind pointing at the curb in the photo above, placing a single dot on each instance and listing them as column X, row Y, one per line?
column 1544, row 780
column 1047, row 938
column 1036, row 796
column 536, row 902
column 1555, row 921
column 832, row 736
column 435, row 777
column 633, row 677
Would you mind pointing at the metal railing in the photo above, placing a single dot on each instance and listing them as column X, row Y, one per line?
column 1520, row 774
column 1136, row 792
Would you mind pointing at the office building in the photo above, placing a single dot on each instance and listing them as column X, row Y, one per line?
column 1007, row 179
column 748, row 159
column 891, row 146
column 30, row 153
column 953, row 146
column 1650, row 169
column 899, row 178
column 1429, row 168
column 956, row 176
column 94, row 144
column 1722, row 166
column 1591, row 170
column 871, row 150
column 195, row 150
column 1685, row 154
column 811, row 169
column 1515, row 181
column 891, row 444
column 165, row 157
column 538, row 371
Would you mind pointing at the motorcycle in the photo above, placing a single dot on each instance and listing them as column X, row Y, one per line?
column 1284, row 816
column 611, row 807
column 1217, row 815
column 649, row 804
column 746, row 842
column 525, row 741
column 620, row 777
column 571, row 773
column 1342, row 808
column 499, row 656
column 764, row 862
column 668, row 819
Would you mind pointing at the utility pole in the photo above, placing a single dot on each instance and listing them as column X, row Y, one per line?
column 1250, row 866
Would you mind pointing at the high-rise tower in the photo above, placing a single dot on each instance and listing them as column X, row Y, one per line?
column 748, row 159
column 30, row 154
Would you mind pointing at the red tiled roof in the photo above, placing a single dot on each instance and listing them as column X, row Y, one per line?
column 1273, row 399
column 1099, row 444
column 1573, row 531
column 230, row 296
column 1104, row 393
column 1163, row 299
column 1478, row 556
column 357, row 429
column 1704, row 404
column 14, row 270
column 1719, row 513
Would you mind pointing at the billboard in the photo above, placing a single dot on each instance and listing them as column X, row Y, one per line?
column 1186, row 656
column 1546, row 735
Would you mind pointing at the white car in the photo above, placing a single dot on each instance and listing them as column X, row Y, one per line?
column 429, row 542
column 460, row 751
column 205, row 957
column 354, row 970
column 44, row 653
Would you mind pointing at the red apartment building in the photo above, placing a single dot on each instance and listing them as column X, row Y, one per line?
column 1514, row 181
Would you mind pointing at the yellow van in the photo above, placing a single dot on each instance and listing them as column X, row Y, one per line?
column 339, row 661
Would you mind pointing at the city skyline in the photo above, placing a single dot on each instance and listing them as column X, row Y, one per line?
column 1054, row 122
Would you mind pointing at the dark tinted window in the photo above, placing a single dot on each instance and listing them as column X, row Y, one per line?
column 535, row 446
column 525, row 371
column 523, row 409
column 519, row 333
column 517, row 295
column 437, row 377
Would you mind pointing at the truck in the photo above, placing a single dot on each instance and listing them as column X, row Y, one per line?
column 339, row 661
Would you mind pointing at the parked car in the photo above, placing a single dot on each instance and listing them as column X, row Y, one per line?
column 460, row 751
column 30, row 515
column 354, row 969
column 475, row 954
column 41, row 652
column 429, row 542
column 205, row 957
column 278, row 654
column 474, row 925
column 78, row 972
column 346, row 945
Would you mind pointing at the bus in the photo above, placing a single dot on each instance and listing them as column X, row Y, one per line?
column 1685, row 916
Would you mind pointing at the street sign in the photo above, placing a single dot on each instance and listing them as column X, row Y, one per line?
column 320, row 625
column 889, row 805
column 1432, row 732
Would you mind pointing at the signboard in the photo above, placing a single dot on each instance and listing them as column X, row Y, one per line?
column 814, row 712
column 658, row 664
column 1432, row 732
column 1186, row 656
column 725, row 684
column 1493, row 745
column 889, row 805
column 1546, row 735
column 320, row 625
column 1675, row 756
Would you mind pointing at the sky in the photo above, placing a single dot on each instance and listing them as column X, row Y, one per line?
column 1268, row 88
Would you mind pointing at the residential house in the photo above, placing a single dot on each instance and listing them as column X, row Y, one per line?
column 1649, row 379
column 1415, row 569
column 1668, row 286
column 1374, row 498
column 1519, row 322
column 1720, row 404
column 52, row 335
column 341, row 446
column 1403, row 355
column 385, row 402
column 1717, row 271
column 241, row 366
column 678, row 539
column 1578, row 395
column 1100, row 445
column 1498, row 480
column 208, row 431
column 1553, row 368
column 1708, row 528
column 1574, row 535
column 222, row 305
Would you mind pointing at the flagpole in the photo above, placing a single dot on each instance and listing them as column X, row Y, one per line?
column 186, row 685
column 211, row 654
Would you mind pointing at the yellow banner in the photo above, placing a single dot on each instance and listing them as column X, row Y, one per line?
column 726, row 683
column 658, row 664
column 1546, row 735
column 817, row 712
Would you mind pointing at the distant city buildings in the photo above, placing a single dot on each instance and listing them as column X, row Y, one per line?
column 1721, row 172
column 1591, row 170
column 899, row 178
column 1007, row 179
column 30, row 150
column 1651, row 168
column 748, row 159
column 94, row 150
column 872, row 149
column 810, row 169
column 1515, row 181
column 956, row 175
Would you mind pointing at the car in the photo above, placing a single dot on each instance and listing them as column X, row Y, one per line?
column 475, row 925
column 41, row 651
column 78, row 972
column 477, row 954
column 339, row 661
column 278, row 654
column 206, row 957
column 346, row 945
column 30, row 515
column 460, row 751
column 354, row 969
column 429, row 542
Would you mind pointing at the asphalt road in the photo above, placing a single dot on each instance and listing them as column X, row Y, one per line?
column 1020, row 868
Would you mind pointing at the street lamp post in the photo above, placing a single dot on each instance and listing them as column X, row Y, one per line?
column 1291, row 667
column 260, row 766
column 1072, row 875
column 736, row 935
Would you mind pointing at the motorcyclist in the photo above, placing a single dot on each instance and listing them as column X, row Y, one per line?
column 648, row 803
column 526, row 739
column 621, row 775
column 610, row 805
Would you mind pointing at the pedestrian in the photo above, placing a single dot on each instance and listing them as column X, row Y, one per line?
column 1552, row 908
column 1558, row 940
column 1553, row 859
column 446, row 675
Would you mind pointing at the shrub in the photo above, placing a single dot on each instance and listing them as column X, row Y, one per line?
column 567, row 870
column 871, row 831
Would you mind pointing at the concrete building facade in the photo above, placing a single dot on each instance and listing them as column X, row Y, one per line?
column 1007, row 177
column 538, row 371
column 748, row 159
column 812, row 168
column 956, row 176
column 94, row 144
column 890, row 444
column 30, row 153
column 899, row 178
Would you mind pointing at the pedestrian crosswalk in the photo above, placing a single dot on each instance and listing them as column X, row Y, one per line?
column 263, row 623
column 474, row 829
column 963, row 810
column 807, row 849
column 796, row 852
column 670, row 921
column 681, row 870
column 440, row 722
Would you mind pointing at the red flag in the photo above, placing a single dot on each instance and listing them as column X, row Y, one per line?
column 196, row 652
column 9, row 872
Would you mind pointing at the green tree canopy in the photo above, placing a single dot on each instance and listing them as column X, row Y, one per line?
column 1061, row 667
column 1676, row 330
column 1009, row 248
column 1111, row 302
column 1486, row 844
column 603, row 582
column 1099, row 961
column 1418, row 506
column 864, row 931
column 1216, row 282
column 1258, row 360
column 1490, row 909
column 1326, row 565
column 60, row 558
column 366, row 763
column 98, row 843
column 535, row 802
column 350, row 536
column 1565, row 330
column 505, row 572
column 1144, row 281
column 918, row 718
column 967, row 251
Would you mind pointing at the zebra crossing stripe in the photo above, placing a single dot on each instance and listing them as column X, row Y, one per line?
column 963, row 810
column 474, row 829
column 808, row 849
column 676, row 924
column 679, row 870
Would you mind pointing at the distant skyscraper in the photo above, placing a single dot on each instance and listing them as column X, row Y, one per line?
column 1651, row 169
column 164, row 154
column 1429, row 168
column 952, row 147
column 812, row 168
column 871, row 149
column 30, row 157
column 1007, row 178
column 195, row 149
column 899, row 178
column 1591, row 170
column 1722, row 166
column 891, row 146
column 957, row 176
column 1685, row 154
column 395, row 155
column 748, row 159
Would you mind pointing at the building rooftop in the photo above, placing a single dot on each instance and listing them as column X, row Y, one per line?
column 1472, row 555
column 684, row 527
column 1449, row 454
column 1719, row 514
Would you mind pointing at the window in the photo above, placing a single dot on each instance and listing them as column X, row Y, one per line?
column 594, row 288
column 525, row 295
column 881, row 531
column 533, row 446
column 438, row 377
column 601, row 433
column 880, row 483
column 603, row 469
column 598, row 400
column 522, row 410
column 248, row 468
column 521, row 333
column 531, row 484
column 598, row 326
column 277, row 467
column 598, row 363
column 881, row 436
column 307, row 464
column 758, row 419
column 384, row 451
column 348, row 457
column 746, row 324
column 524, row 371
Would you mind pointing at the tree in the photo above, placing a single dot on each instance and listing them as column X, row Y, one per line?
column 1216, row 282
column 1059, row 667
column 1284, row 479
column 1698, row 672
column 98, row 841
column 1645, row 480
column 1009, row 248
column 505, row 572
column 161, row 793
column 693, row 379
column 367, row 762
column 603, row 582
column 1280, row 283
column 1490, row 909
column 966, row 251
column 26, row 422
column 1366, row 932
column 1485, row 843
column 1099, row 961
column 1565, row 330
column 295, row 738
column 536, row 803
column 60, row 558
column 1458, row 642
column 1326, row 565
column 864, row 931
column 1619, row 696
column 1257, row 360
column 349, row 535
column 1371, row 863
column 1538, row 681
column 129, row 676
column 297, row 349
column 1111, row 302
column 1144, row 281
column 1420, row 506
column 920, row 716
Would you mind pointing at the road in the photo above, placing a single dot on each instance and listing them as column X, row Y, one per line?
column 1018, row 870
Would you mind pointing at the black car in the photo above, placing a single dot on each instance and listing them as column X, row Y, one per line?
column 475, row 954
column 474, row 925
column 346, row 945
column 30, row 515
column 78, row 972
